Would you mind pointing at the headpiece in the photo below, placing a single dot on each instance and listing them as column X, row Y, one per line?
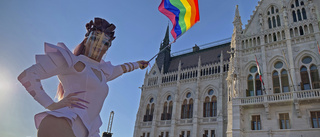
column 101, row 25
column 99, row 36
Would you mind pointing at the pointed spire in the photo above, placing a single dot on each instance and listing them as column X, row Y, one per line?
column 165, row 41
column 163, row 58
column 237, row 11
column 237, row 17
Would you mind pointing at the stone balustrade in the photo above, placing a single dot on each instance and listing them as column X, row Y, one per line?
column 189, row 73
column 281, row 97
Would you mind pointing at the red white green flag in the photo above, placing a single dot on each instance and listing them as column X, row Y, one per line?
column 259, row 72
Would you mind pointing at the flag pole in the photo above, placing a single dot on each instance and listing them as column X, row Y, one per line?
column 285, row 60
column 162, row 50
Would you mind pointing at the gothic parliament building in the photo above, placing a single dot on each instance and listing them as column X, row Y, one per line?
column 216, row 91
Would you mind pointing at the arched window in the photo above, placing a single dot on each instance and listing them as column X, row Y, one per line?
column 305, row 83
column 214, row 106
column 258, row 86
column 299, row 15
column 311, row 28
column 298, row 11
column 269, row 22
column 280, row 79
column 278, row 20
column 149, row 113
column 274, row 22
column 284, row 81
column 164, row 113
column 250, row 91
column 291, row 32
column 278, row 35
column 301, row 30
column 306, row 29
column 210, row 105
column 273, row 17
column 270, row 38
column 314, row 77
column 184, row 108
column 275, row 81
column 187, row 108
column 304, row 14
column 266, row 38
column 294, row 16
column 206, row 107
column 190, row 109
column 297, row 3
column 167, row 109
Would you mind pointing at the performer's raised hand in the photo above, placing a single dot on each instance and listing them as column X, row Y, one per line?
column 143, row 64
column 69, row 101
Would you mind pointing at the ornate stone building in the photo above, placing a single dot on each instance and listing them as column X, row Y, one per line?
column 217, row 91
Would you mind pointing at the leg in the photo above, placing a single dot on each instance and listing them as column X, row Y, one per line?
column 52, row 126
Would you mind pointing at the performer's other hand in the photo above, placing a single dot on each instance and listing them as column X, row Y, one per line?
column 143, row 64
column 69, row 101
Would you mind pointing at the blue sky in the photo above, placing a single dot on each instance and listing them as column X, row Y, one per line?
column 26, row 25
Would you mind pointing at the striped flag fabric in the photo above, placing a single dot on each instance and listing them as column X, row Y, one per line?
column 259, row 72
column 182, row 13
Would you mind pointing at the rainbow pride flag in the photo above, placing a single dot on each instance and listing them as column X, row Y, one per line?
column 182, row 13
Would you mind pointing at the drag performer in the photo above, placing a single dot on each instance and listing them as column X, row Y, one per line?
column 83, row 89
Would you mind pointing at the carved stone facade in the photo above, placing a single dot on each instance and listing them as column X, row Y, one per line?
column 217, row 91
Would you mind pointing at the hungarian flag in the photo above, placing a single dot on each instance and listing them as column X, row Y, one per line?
column 182, row 13
column 260, row 74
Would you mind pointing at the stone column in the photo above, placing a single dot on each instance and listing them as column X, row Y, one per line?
column 175, row 108
column 174, row 116
column 220, row 100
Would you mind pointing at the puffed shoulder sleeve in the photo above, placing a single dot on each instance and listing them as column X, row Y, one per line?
column 111, row 72
column 55, row 56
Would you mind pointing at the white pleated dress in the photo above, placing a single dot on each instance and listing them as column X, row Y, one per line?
column 92, row 79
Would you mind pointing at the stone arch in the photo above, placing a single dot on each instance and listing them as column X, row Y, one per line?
column 273, row 60
column 314, row 56
column 269, row 7
column 165, row 95
column 184, row 93
column 204, row 92
column 147, row 99
column 248, row 66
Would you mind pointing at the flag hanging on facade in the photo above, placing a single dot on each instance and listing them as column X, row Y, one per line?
column 259, row 72
column 182, row 13
column 318, row 47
